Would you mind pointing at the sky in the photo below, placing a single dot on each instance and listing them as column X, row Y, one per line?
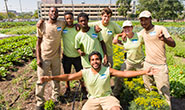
column 31, row 5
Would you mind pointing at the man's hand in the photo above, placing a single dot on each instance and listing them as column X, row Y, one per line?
column 97, row 29
column 39, row 23
column 81, row 52
column 45, row 79
column 39, row 63
column 161, row 36
column 77, row 26
column 124, row 35
column 105, row 60
column 152, row 71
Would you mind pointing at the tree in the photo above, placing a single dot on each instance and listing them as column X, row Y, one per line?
column 170, row 9
column 161, row 9
column 124, row 7
column 25, row 15
column 2, row 16
column 35, row 14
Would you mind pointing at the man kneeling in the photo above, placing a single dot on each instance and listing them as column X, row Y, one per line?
column 97, row 81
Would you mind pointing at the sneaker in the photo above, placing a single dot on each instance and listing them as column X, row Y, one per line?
column 39, row 107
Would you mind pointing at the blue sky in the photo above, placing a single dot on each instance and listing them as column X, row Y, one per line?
column 31, row 5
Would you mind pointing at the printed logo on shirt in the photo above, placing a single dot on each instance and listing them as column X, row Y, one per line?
column 134, row 40
column 109, row 32
column 152, row 33
column 59, row 28
column 103, row 76
column 65, row 31
column 94, row 35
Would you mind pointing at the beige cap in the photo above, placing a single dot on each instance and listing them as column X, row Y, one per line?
column 145, row 14
column 127, row 23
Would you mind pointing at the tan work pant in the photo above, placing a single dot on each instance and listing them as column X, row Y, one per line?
column 55, row 66
column 125, row 67
column 161, row 80
column 102, row 103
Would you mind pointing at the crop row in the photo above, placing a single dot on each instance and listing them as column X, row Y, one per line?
column 17, row 57
column 19, row 30
column 10, row 40
column 10, row 47
column 15, row 24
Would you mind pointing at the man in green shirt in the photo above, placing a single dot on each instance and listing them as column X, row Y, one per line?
column 70, row 54
column 97, row 80
column 109, row 29
column 87, row 40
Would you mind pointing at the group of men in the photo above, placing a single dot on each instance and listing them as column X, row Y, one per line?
column 86, row 48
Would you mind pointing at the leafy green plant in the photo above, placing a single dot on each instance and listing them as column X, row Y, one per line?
column 33, row 64
column 49, row 105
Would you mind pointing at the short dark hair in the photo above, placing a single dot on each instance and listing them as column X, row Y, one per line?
column 83, row 15
column 95, row 53
column 106, row 11
column 68, row 13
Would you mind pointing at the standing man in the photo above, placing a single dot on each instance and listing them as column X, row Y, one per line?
column 155, row 37
column 70, row 54
column 97, row 80
column 109, row 29
column 48, row 50
column 87, row 40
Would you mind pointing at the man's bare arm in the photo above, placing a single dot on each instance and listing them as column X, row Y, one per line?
column 63, row 77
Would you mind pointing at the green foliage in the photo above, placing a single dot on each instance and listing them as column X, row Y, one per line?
column 2, row 16
column 15, row 52
column 26, row 15
column 49, row 105
column 177, row 80
column 35, row 15
column 20, row 30
column 161, row 9
column 33, row 64
column 124, row 7
column 15, row 24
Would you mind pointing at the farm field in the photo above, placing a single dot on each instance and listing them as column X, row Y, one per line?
column 18, row 73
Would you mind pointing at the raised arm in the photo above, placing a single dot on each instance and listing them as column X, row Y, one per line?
column 63, row 77
column 168, row 40
column 149, row 71
column 105, row 59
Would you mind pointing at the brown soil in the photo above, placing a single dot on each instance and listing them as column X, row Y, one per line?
column 18, row 90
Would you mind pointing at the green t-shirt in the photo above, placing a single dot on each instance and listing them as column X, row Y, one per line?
column 98, row 85
column 88, row 42
column 108, row 33
column 134, row 49
column 69, row 42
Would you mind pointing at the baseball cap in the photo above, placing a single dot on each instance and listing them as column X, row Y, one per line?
column 127, row 23
column 145, row 14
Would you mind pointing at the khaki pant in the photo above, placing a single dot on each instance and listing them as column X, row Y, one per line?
column 125, row 67
column 102, row 103
column 55, row 66
column 161, row 80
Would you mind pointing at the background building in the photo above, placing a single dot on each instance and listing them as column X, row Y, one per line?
column 93, row 10
column 52, row 1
